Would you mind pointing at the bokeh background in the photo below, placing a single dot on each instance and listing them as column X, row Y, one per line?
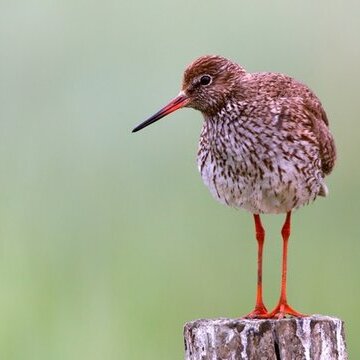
column 109, row 242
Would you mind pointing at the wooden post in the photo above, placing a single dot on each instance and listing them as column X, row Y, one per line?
column 315, row 337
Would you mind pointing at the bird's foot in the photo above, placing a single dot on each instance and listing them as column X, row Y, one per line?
column 282, row 310
column 258, row 313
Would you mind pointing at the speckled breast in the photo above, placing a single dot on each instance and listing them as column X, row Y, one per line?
column 247, row 165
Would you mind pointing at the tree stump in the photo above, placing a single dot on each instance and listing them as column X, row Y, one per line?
column 316, row 337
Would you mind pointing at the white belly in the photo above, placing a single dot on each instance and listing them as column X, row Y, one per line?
column 260, row 191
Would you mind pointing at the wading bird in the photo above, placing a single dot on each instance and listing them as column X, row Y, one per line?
column 265, row 147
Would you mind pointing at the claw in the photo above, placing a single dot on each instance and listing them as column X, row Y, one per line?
column 282, row 310
column 257, row 313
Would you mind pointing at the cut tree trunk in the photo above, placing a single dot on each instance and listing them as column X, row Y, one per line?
column 315, row 337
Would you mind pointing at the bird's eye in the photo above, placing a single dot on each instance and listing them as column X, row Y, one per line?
column 205, row 80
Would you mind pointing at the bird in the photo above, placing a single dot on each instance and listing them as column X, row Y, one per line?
column 265, row 147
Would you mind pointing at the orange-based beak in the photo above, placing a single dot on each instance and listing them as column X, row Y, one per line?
column 177, row 103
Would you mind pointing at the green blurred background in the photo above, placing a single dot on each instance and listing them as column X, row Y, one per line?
column 109, row 240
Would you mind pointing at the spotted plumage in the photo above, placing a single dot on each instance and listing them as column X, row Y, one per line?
column 265, row 145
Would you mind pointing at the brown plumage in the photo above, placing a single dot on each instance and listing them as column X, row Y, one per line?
column 265, row 145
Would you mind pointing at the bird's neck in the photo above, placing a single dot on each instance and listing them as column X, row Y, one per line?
column 231, row 110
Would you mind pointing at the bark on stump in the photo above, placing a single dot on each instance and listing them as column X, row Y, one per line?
column 315, row 337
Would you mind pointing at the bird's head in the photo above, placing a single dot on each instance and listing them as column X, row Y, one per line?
column 207, row 84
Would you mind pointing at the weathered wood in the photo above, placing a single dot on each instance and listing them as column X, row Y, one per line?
column 315, row 337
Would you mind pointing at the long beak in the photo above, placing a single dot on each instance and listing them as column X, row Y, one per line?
column 177, row 103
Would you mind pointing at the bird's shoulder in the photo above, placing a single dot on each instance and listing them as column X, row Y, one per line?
column 280, row 90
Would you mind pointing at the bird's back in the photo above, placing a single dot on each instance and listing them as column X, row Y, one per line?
column 290, row 92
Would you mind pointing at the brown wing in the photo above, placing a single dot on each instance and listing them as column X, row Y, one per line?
column 308, row 109
column 321, row 129
column 291, row 98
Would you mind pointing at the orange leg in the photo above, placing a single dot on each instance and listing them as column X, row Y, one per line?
column 283, row 308
column 260, row 309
